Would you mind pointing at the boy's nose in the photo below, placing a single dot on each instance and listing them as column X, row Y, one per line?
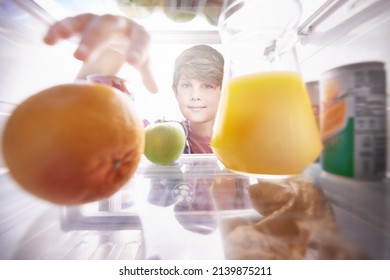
column 195, row 95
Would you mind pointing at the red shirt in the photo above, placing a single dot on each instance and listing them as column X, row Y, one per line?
column 195, row 143
column 198, row 144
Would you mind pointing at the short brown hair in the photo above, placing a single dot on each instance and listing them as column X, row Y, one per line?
column 199, row 62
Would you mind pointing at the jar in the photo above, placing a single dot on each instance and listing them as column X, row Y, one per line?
column 112, row 81
column 264, row 124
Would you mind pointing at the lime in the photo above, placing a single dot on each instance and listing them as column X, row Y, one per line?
column 164, row 142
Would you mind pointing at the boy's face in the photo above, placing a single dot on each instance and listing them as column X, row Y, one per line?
column 198, row 100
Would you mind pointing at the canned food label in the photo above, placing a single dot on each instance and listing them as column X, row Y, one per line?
column 353, row 121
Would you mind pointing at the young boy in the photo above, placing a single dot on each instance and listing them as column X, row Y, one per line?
column 197, row 82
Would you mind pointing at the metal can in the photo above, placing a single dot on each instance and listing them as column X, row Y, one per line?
column 353, row 120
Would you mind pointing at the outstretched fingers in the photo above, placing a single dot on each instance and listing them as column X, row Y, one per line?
column 97, row 32
column 137, row 55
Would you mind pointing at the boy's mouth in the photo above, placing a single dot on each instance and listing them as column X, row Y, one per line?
column 196, row 108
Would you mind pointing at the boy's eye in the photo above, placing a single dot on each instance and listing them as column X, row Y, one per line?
column 207, row 86
column 185, row 85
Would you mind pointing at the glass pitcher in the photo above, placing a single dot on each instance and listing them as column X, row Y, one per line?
column 264, row 124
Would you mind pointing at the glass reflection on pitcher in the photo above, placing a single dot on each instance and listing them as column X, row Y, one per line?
column 264, row 124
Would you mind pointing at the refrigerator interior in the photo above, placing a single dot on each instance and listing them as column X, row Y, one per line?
column 144, row 219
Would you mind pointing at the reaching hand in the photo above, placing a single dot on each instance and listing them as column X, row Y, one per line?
column 97, row 32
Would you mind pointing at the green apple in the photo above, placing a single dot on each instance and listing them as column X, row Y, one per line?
column 164, row 142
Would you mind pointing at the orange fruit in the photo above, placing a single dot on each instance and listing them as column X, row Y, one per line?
column 73, row 143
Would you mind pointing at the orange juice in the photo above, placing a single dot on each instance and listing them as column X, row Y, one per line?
column 265, row 125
